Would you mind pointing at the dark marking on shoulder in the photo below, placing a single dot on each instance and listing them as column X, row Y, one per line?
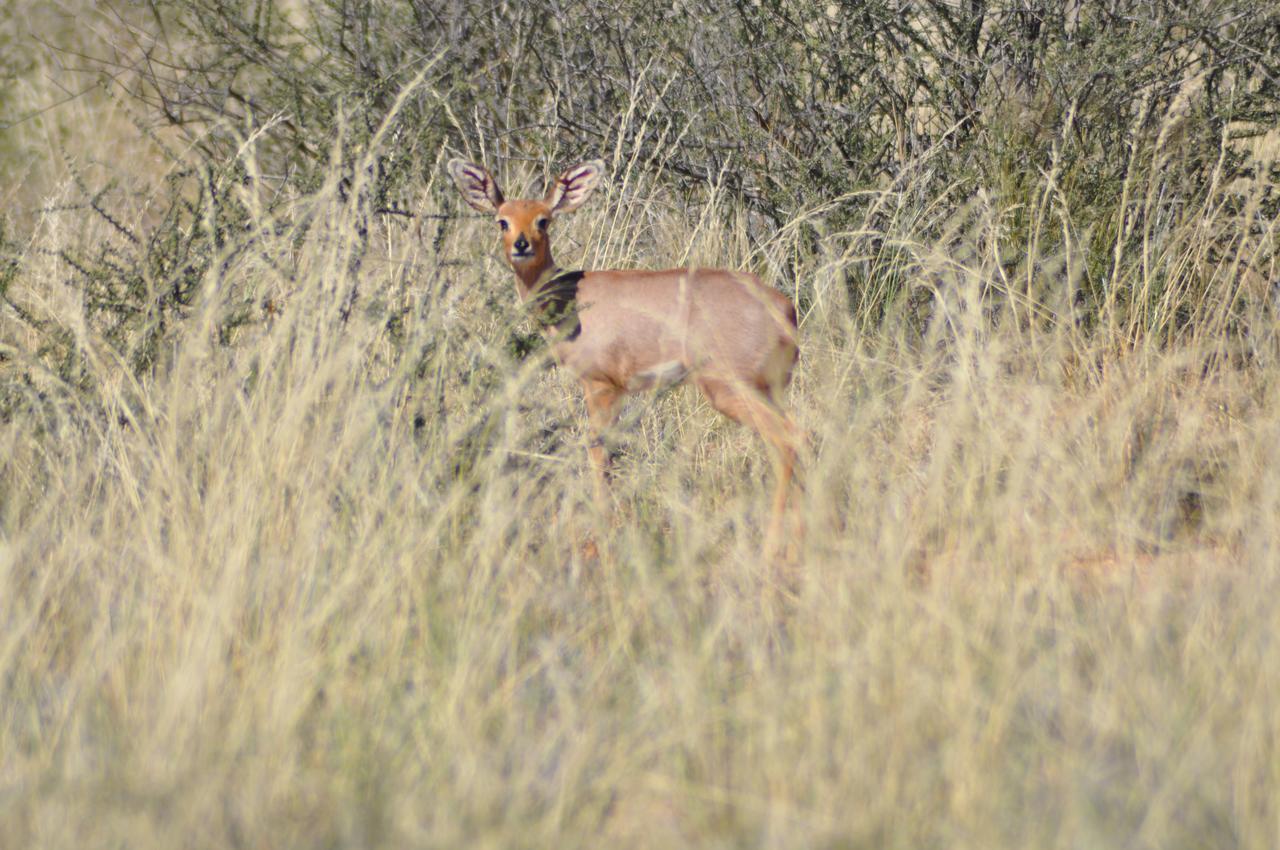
column 554, row 305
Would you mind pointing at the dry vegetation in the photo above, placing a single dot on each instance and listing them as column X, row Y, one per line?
column 294, row 558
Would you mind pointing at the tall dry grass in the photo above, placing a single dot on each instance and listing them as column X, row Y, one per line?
column 320, row 582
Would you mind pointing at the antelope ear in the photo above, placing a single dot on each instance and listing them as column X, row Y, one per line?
column 477, row 186
column 572, row 188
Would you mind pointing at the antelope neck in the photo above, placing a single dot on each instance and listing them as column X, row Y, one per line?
column 531, row 279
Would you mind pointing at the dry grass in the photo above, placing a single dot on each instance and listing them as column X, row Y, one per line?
column 325, row 586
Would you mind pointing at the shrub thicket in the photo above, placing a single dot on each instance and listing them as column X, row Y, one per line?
column 1097, row 128
column 791, row 101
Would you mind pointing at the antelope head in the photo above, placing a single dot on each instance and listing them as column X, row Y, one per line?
column 525, row 223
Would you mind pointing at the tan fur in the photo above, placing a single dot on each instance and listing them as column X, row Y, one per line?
column 728, row 332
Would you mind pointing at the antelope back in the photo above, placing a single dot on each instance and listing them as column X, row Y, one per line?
column 645, row 328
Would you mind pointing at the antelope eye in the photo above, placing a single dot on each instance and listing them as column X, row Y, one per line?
column 542, row 223
column 502, row 222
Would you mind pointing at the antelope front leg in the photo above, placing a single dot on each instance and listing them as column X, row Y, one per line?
column 602, row 408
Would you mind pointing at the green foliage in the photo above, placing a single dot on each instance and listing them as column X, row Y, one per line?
column 138, row 285
column 8, row 261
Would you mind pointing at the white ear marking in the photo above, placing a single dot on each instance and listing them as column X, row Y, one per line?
column 477, row 186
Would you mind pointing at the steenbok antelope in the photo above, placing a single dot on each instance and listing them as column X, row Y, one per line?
column 624, row 331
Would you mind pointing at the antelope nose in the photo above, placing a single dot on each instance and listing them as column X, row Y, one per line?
column 521, row 245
